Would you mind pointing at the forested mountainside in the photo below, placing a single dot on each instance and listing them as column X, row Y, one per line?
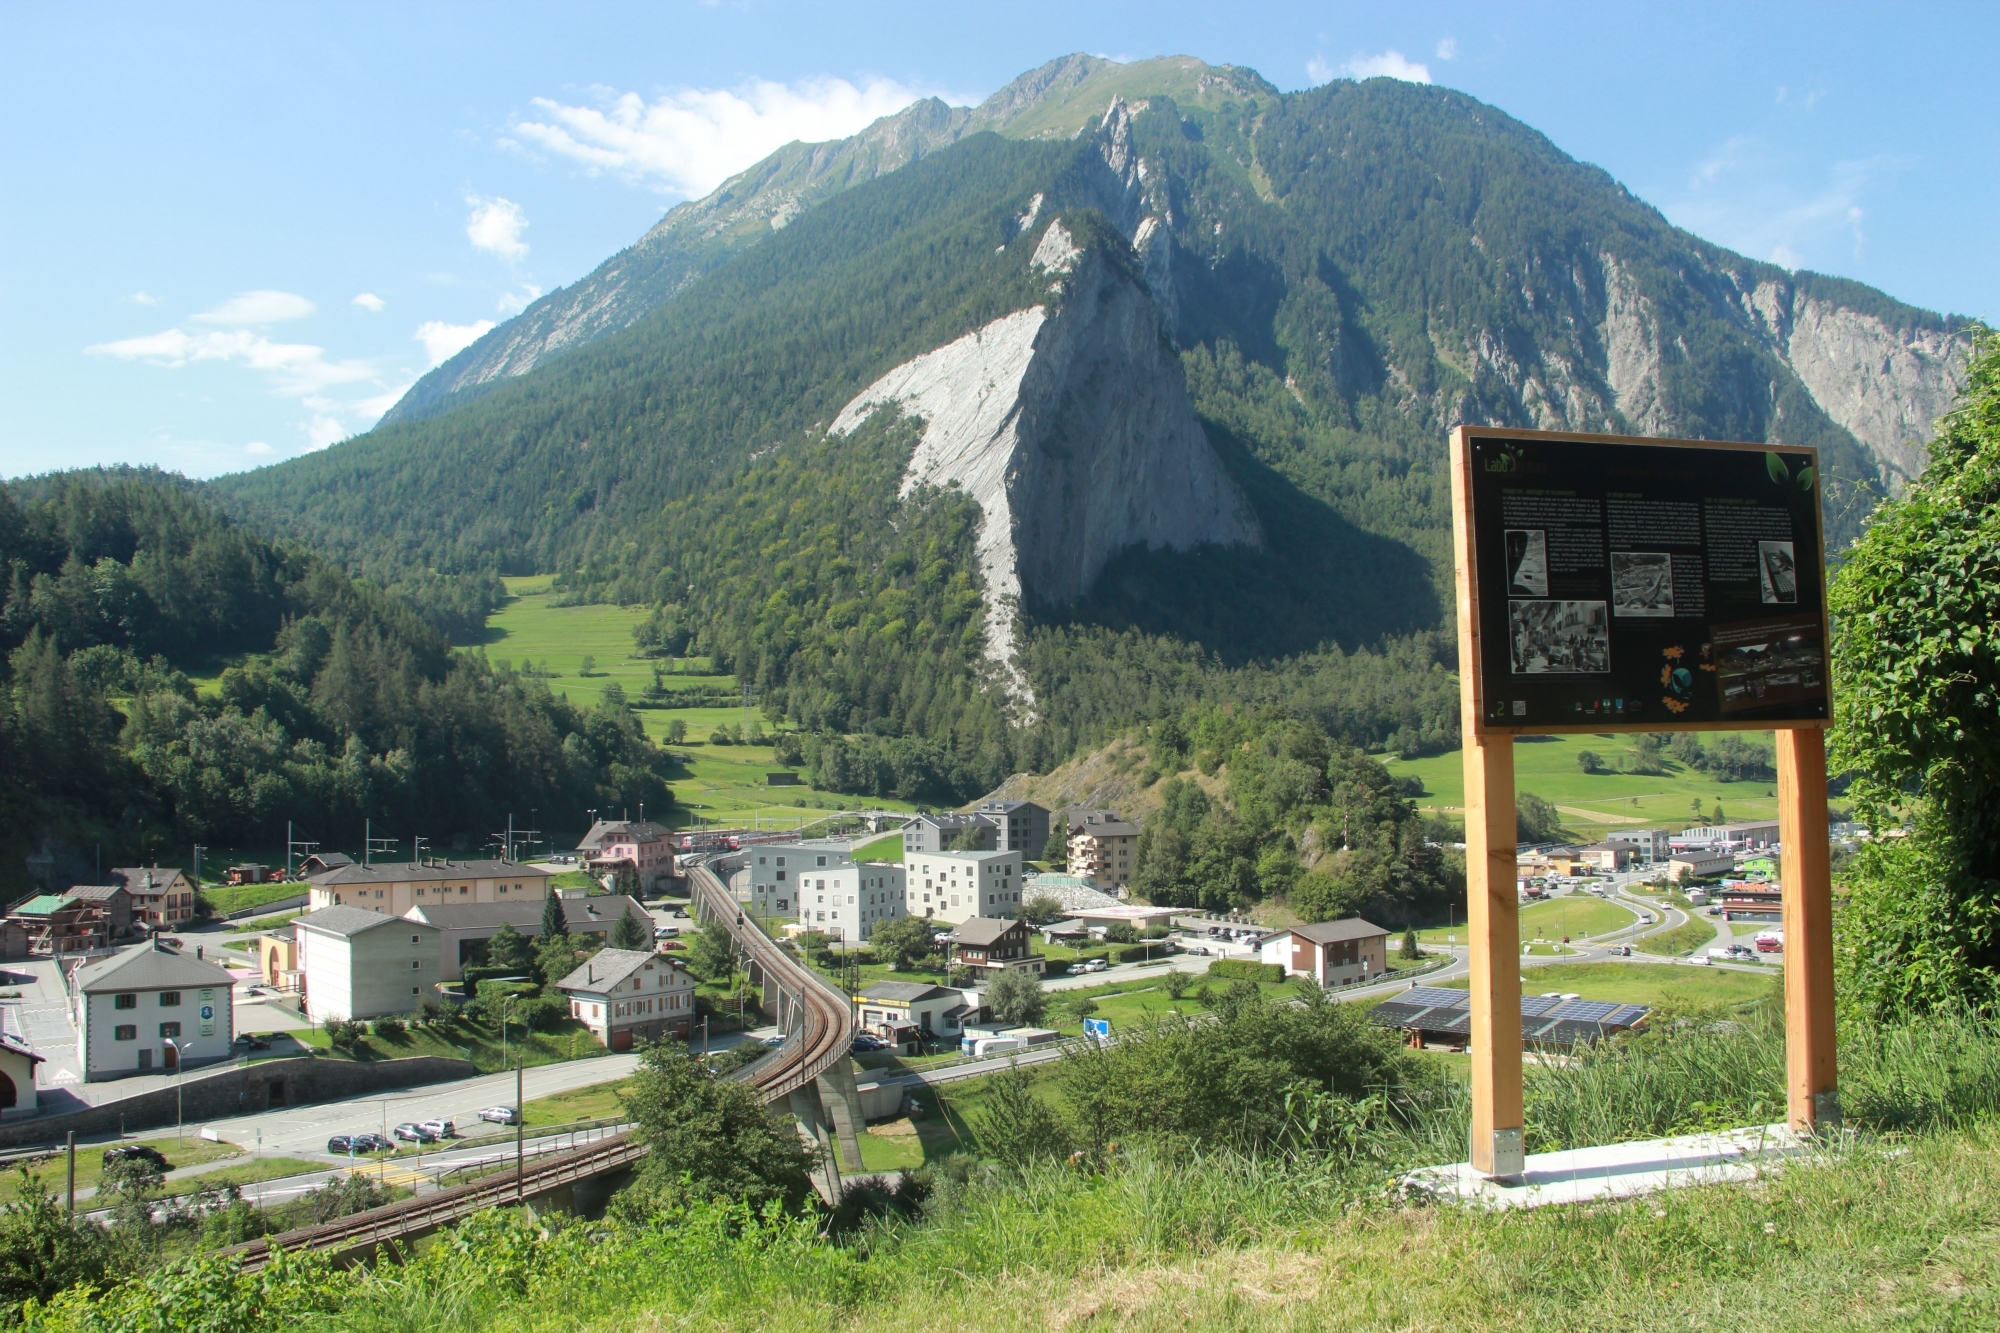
column 349, row 705
column 1339, row 275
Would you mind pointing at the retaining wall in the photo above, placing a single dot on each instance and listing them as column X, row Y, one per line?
column 241, row 1090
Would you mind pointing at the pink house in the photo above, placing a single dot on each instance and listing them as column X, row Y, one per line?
column 641, row 844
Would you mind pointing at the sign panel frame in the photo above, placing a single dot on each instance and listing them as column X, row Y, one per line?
column 1689, row 677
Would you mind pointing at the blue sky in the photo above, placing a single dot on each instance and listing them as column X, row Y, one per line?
column 233, row 233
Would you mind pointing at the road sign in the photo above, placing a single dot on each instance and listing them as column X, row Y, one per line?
column 1644, row 585
column 207, row 1013
column 1099, row 1029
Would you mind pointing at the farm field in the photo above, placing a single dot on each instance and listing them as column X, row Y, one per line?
column 1575, row 915
column 1593, row 804
column 1641, row 983
column 722, row 784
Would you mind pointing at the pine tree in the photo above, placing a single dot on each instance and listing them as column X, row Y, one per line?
column 629, row 934
column 553, row 921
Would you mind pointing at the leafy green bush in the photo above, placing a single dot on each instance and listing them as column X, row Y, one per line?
column 1242, row 969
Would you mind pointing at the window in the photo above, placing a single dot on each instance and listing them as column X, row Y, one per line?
column 822, row 860
column 416, row 963
column 378, row 893
column 781, row 877
column 125, row 1032
column 416, row 939
column 125, row 1002
column 170, row 1030
column 170, row 999
column 781, row 861
column 416, row 990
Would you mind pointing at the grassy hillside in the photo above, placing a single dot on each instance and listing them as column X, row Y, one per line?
column 1593, row 804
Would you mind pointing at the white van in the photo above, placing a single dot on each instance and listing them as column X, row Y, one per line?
column 985, row 1046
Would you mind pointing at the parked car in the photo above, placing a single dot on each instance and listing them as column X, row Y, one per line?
column 251, row 1042
column 501, row 1115
column 372, row 1143
column 1716, row 910
column 1091, row 965
column 864, row 1042
column 340, row 1145
column 1201, row 949
column 137, row 1152
column 774, row 1042
column 411, row 1132
column 668, row 946
column 444, row 1129
column 665, row 932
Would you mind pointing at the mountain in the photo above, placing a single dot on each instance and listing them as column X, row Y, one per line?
column 1127, row 389
column 695, row 237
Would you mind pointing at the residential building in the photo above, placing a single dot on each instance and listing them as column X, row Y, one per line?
column 1649, row 845
column 990, row 946
column 18, row 1099
column 937, row 833
column 957, row 886
column 1332, row 953
column 1019, row 826
column 464, row 928
column 60, row 923
column 394, row 887
column 1102, row 848
column 113, row 903
column 319, row 861
column 640, row 845
column 1760, row 901
column 827, row 889
column 163, row 898
column 905, row 1011
column 148, row 1008
column 628, row 995
column 1141, row 918
column 359, row 963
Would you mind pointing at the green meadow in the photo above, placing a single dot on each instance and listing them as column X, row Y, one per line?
column 1593, row 804
column 1675, row 985
column 720, row 784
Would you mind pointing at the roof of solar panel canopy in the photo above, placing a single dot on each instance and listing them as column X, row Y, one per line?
column 1627, row 1015
column 1460, row 1024
column 1436, row 996
column 1588, row 1011
column 1568, row 1032
column 1396, row 1012
column 1531, row 1005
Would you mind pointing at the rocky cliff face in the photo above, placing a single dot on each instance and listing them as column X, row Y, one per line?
column 1070, row 424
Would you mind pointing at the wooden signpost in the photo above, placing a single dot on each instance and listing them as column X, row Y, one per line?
column 1614, row 584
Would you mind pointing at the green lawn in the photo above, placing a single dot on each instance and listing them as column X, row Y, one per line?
column 595, row 1102
column 224, row 899
column 1694, row 933
column 479, row 1042
column 1575, row 915
column 1654, row 984
column 888, row 848
column 1594, row 804
column 190, row 1150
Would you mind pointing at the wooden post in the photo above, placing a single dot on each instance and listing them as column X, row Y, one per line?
column 1812, row 1077
column 1493, row 930
column 1493, row 923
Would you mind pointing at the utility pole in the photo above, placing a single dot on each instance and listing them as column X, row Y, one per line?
column 70, row 1152
column 198, row 850
column 370, row 844
column 292, row 845
column 520, row 1149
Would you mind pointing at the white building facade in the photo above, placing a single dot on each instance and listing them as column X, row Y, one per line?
column 151, row 1009
column 358, row 964
column 953, row 887
column 625, row 996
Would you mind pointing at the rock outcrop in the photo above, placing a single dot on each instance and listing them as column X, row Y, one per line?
column 1069, row 422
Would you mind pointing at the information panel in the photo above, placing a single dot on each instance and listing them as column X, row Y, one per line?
column 1644, row 585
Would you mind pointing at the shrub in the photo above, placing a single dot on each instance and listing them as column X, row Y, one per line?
column 389, row 1027
column 1242, row 969
column 1136, row 953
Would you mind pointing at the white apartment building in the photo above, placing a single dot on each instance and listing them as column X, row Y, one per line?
column 1648, row 844
column 362, row 964
column 957, row 886
column 824, row 888
column 151, row 1007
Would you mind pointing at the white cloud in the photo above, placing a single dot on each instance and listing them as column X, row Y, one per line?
column 444, row 341
column 370, row 410
column 1318, row 70
column 1448, row 49
column 690, row 140
column 495, row 226
column 296, row 367
column 322, row 431
column 141, row 298
column 370, row 302
column 513, row 303
column 259, row 307
column 256, row 447
column 1390, row 65
column 1753, row 198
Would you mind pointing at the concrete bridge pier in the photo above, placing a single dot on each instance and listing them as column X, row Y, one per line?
column 843, row 1106
column 805, row 1105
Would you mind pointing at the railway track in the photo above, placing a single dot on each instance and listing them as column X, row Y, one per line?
column 821, row 1036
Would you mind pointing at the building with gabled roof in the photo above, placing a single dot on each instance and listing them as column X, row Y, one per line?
column 394, row 887
column 628, row 995
column 464, row 928
column 356, row 963
column 990, row 946
column 113, row 903
column 59, row 924
column 644, row 847
column 1333, row 953
column 18, row 1098
column 162, row 897
column 151, row 1007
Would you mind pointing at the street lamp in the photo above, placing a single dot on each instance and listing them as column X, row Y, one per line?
column 178, row 1062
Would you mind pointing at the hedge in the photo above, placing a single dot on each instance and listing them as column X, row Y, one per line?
column 1242, row 969
column 1138, row 953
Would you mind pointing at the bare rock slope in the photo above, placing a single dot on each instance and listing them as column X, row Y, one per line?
column 1069, row 422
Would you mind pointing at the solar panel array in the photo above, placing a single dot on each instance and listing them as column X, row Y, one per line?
column 1546, row 1020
